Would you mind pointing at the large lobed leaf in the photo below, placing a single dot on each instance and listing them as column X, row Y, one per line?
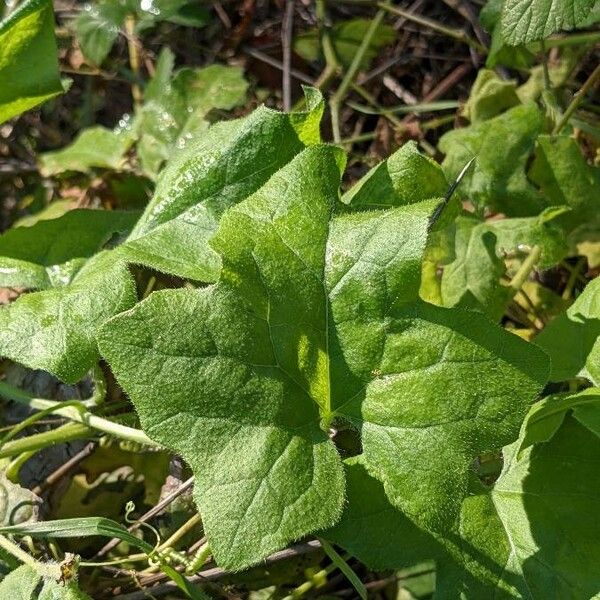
column 28, row 58
column 316, row 319
column 55, row 329
column 529, row 536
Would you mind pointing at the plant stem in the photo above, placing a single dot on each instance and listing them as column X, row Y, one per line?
column 456, row 34
column 78, row 414
column 38, row 441
column 309, row 584
column 198, row 560
column 523, row 273
column 185, row 528
column 592, row 80
column 340, row 93
column 134, row 58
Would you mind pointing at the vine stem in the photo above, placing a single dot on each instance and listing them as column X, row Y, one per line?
column 516, row 283
column 134, row 58
column 456, row 34
column 64, row 433
column 77, row 414
column 340, row 93
column 590, row 83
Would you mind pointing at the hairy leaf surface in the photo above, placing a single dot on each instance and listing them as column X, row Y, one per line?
column 527, row 537
column 528, row 20
column 49, row 253
column 502, row 147
column 219, row 169
column 55, row 330
column 96, row 147
column 317, row 318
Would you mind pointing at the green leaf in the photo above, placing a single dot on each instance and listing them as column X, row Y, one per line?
column 490, row 96
column 17, row 504
column 46, row 254
column 544, row 230
column 96, row 147
column 529, row 20
column 546, row 417
column 565, row 178
column 216, row 171
column 316, row 319
column 542, row 503
column 502, row 147
column 175, row 107
column 405, row 177
column 23, row 584
column 93, row 526
column 78, row 527
column 530, row 536
column 346, row 37
column 472, row 279
column 20, row 584
column 55, row 330
column 373, row 530
column 569, row 339
column 28, row 59
column 500, row 53
column 97, row 27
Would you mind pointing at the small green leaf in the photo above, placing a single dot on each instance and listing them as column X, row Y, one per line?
column 28, row 59
column 502, row 147
column 346, row 37
column 175, row 107
column 529, row 20
column 546, row 417
column 472, row 279
column 97, row 28
column 565, row 178
column 55, row 330
column 500, row 53
column 20, row 584
column 490, row 96
column 45, row 254
column 96, row 147
column 569, row 339
column 405, row 177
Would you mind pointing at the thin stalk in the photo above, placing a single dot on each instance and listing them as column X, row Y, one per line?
column 591, row 82
column 516, row 283
column 309, row 584
column 31, row 420
column 547, row 83
column 38, row 441
column 574, row 39
column 573, row 276
column 134, row 58
column 199, row 560
column 456, row 34
column 340, row 93
column 12, row 471
column 185, row 528
column 78, row 414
